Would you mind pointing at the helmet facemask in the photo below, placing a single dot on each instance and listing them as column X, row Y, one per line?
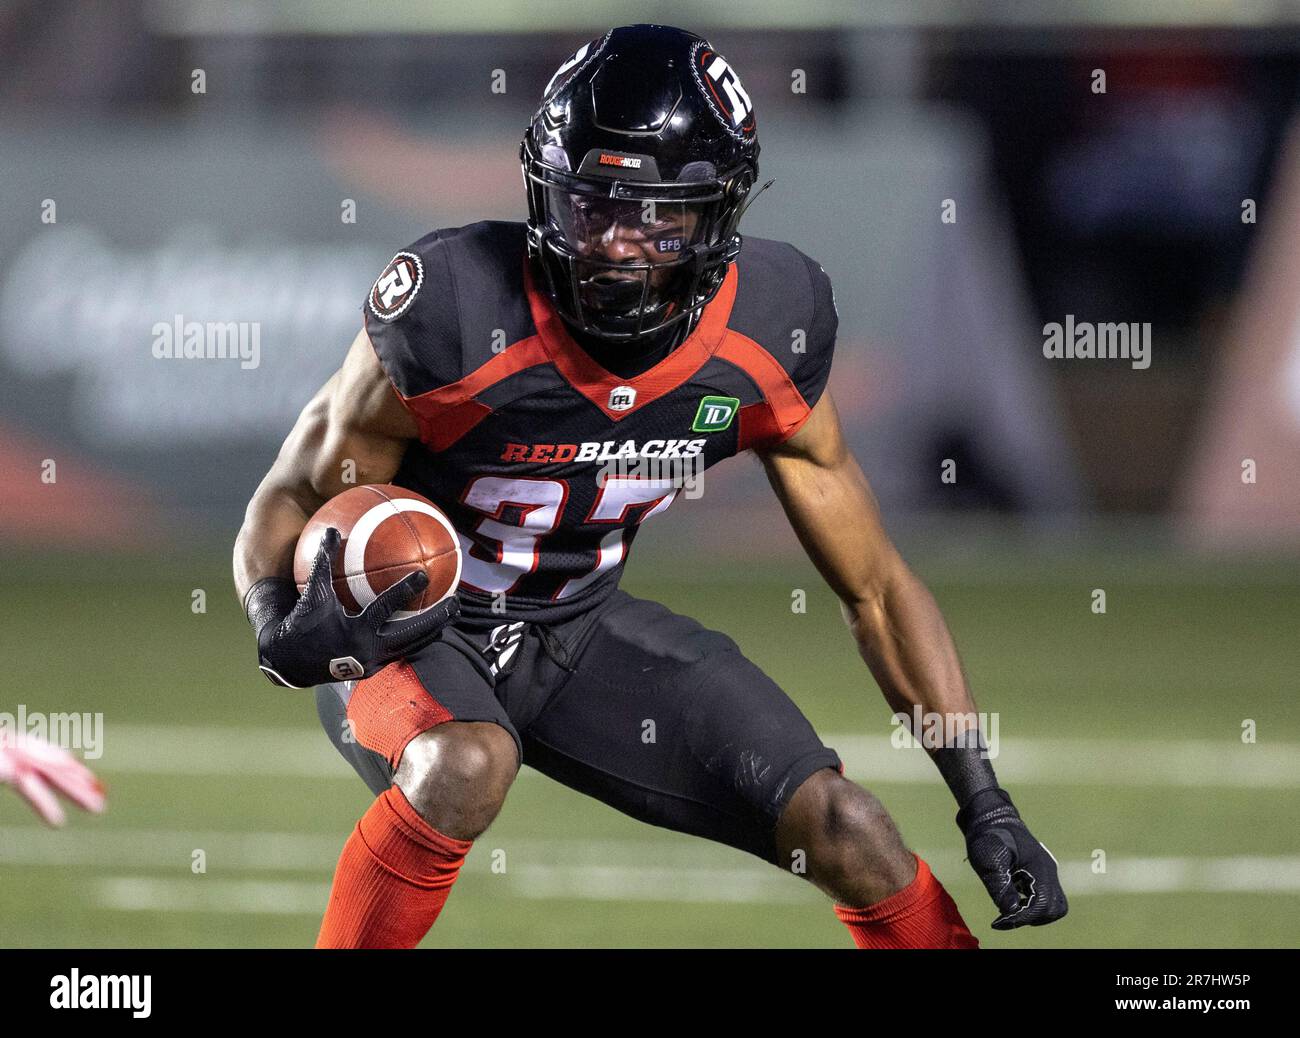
column 633, row 261
column 624, row 258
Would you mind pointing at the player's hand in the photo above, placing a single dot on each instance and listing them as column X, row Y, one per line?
column 318, row 641
column 1018, row 871
column 38, row 770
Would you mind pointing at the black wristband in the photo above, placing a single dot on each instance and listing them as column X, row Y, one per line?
column 271, row 599
column 987, row 805
column 967, row 771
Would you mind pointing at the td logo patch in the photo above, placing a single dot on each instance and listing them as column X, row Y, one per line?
column 715, row 413
column 396, row 287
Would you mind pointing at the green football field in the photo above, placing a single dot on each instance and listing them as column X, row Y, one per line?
column 1120, row 734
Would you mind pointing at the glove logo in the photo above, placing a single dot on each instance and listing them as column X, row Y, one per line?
column 394, row 290
column 346, row 668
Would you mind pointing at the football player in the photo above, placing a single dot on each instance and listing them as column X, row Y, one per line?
column 551, row 385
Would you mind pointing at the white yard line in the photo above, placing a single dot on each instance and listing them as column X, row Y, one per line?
column 756, row 885
column 1279, row 874
column 168, row 849
column 305, row 753
column 1226, row 763
column 216, row 750
column 213, row 896
column 538, row 868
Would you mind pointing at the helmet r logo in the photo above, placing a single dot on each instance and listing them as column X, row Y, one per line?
column 722, row 86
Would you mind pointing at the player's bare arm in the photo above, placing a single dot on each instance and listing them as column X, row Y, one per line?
column 904, row 640
column 354, row 426
column 897, row 625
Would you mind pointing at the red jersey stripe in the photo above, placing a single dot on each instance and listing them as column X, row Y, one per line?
column 786, row 406
column 595, row 383
column 447, row 413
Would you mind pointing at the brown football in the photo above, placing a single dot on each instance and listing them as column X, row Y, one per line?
column 387, row 533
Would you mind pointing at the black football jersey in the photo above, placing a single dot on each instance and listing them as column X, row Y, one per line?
column 545, row 462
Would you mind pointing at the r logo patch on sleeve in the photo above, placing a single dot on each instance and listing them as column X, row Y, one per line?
column 395, row 288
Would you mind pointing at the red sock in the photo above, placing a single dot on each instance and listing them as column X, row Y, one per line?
column 921, row 915
column 392, row 878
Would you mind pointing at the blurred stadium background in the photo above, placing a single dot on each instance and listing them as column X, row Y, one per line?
column 1155, row 748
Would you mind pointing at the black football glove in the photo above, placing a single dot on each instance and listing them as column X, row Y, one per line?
column 1018, row 871
column 310, row 640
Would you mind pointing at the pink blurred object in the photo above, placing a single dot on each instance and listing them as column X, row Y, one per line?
column 38, row 769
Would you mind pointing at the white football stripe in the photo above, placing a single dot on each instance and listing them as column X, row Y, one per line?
column 354, row 554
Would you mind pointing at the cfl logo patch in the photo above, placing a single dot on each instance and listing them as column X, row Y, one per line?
column 621, row 398
column 722, row 86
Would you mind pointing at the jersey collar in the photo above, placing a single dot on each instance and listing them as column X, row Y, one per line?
column 590, row 379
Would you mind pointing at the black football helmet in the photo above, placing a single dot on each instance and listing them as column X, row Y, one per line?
column 637, row 166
